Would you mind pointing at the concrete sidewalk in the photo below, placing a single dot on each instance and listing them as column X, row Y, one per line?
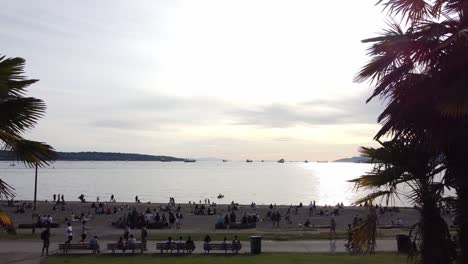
column 29, row 251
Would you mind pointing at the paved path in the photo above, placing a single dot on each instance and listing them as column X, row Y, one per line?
column 28, row 251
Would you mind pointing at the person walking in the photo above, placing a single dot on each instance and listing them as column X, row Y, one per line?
column 84, row 231
column 332, row 228
column 45, row 237
column 69, row 233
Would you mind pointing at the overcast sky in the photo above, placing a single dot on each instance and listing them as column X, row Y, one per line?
column 227, row 79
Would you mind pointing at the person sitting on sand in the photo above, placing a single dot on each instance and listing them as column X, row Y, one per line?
column 49, row 219
column 232, row 217
column 399, row 222
column 219, row 219
column 244, row 219
column 94, row 244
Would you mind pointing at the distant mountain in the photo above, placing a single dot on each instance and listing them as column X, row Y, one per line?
column 354, row 159
column 100, row 156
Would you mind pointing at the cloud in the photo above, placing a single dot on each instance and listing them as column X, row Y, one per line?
column 160, row 111
column 316, row 112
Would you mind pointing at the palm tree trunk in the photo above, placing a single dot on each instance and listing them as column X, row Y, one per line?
column 458, row 165
column 434, row 233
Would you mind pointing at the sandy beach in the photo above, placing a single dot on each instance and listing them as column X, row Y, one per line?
column 101, row 224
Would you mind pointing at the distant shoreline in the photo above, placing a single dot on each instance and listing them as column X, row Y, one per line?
column 99, row 156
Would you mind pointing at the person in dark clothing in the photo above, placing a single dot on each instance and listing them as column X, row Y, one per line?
column 232, row 217
column 45, row 236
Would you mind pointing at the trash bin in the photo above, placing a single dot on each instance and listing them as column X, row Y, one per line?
column 403, row 244
column 255, row 245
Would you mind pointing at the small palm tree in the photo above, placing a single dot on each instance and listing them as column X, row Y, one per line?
column 398, row 163
column 420, row 66
column 18, row 114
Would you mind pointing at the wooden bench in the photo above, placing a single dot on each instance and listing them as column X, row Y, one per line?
column 184, row 247
column 235, row 248
column 67, row 247
column 113, row 247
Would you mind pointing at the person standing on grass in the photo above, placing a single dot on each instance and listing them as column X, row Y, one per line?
column 45, row 236
column 69, row 233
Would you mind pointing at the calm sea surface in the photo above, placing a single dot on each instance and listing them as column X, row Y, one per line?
column 263, row 183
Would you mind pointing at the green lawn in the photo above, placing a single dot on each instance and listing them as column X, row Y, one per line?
column 244, row 259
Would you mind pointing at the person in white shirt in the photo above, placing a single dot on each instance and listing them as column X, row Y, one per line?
column 49, row 219
column 69, row 233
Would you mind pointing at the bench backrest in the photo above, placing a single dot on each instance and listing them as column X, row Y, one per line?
column 174, row 245
column 75, row 246
column 222, row 246
column 125, row 246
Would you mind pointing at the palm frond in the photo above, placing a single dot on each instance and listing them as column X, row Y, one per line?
column 6, row 191
column 6, row 223
column 364, row 235
column 20, row 113
column 30, row 152
column 409, row 9
column 12, row 79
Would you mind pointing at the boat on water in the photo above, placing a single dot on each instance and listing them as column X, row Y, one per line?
column 12, row 164
column 281, row 161
column 306, row 161
column 248, row 160
column 190, row 160
column 225, row 160
column 220, row 196
column 262, row 161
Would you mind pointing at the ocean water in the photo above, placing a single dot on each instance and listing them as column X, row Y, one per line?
column 259, row 182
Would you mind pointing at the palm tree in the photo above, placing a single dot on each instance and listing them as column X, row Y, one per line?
column 421, row 69
column 398, row 163
column 17, row 115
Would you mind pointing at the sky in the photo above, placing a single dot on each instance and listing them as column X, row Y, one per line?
column 228, row 79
